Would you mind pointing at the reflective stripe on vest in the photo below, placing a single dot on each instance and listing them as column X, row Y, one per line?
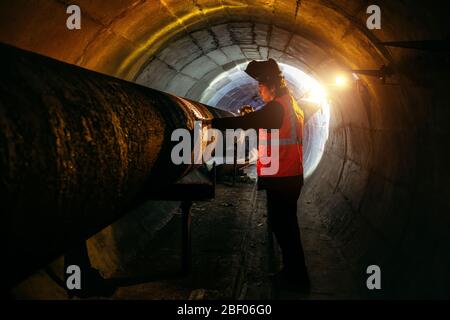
column 293, row 139
column 289, row 144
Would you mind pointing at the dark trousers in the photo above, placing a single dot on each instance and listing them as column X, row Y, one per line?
column 282, row 196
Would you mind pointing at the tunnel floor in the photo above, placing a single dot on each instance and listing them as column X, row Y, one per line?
column 231, row 256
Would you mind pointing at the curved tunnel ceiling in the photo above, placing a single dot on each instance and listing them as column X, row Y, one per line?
column 378, row 187
column 188, row 65
column 121, row 37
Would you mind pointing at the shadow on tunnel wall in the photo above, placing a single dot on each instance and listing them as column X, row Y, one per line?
column 382, row 185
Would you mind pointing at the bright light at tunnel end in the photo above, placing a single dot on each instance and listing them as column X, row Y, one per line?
column 341, row 81
column 311, row 89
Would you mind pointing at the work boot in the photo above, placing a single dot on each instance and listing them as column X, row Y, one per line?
column 296, row 281
column 300, row 281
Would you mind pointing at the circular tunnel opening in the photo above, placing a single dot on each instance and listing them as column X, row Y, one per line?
column 208, row 66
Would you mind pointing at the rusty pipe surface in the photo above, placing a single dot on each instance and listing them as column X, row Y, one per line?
column 78, row 149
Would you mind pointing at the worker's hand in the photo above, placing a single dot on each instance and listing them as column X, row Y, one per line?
column 246, row 109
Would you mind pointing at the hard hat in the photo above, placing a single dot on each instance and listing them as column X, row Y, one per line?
column 264, row 71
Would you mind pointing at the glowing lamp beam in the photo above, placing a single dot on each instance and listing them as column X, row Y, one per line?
column 341, row 81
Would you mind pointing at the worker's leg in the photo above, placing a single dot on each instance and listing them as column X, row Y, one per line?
column 282, row 214
column 293, row 255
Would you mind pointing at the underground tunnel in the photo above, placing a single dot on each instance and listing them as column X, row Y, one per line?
column 376, row 179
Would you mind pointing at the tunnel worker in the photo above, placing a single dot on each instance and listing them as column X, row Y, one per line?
column 283, row 188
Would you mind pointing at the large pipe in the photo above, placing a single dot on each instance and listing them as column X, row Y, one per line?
column 78, row 149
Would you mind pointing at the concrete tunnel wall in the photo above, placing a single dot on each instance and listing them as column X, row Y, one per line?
column 382, row 185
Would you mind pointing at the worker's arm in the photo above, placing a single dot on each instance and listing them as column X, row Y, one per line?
column 268, row 117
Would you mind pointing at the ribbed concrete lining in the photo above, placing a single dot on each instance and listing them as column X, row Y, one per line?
column 186, row 66
column 382, row 187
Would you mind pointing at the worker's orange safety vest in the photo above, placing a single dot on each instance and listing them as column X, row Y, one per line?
column 290, row 159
